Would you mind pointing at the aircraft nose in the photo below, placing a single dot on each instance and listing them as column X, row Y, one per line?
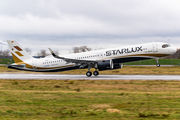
column 173, row 50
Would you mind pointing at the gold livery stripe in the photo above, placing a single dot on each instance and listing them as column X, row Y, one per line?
column 19, row 62
column 17, row 52
column 137, row 55
column 55, row 67
column 18, row 48
column 16, row 59
column 152, row 55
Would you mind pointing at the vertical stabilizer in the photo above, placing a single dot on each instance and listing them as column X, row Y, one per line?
column 18, row 53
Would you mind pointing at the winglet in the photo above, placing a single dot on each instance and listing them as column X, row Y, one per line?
column 52, row 52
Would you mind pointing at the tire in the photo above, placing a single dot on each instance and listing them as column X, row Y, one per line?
column 158, row 65
column 95, row 73
column 88, row 74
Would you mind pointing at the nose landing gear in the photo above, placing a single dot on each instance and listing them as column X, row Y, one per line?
column 158, row 65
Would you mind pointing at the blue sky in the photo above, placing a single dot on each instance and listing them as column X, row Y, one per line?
column 62, row 25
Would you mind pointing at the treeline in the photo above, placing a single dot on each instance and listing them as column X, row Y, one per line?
column 43, row 53
column 5, row 54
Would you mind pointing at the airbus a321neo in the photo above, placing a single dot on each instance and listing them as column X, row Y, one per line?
column 106, row 59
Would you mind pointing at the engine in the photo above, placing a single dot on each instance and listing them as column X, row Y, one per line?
column 108, row 65
column 118, row 65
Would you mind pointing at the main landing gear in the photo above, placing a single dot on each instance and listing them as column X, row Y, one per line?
column 158, row 65
column 96, row 73
column 89, row 73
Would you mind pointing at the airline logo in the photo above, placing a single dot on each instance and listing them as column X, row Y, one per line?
column 125, row 50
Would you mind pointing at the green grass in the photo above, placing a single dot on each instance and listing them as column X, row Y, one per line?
column 86, row 99
column 6, row 61
column 153, row 62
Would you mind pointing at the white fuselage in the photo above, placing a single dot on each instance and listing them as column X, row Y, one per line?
column 118, row 54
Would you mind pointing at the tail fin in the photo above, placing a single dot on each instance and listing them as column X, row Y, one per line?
column 18, row 53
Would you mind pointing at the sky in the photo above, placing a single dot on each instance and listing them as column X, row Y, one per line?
column 64, row 24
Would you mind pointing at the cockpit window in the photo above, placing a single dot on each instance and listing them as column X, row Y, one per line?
column 165, row 46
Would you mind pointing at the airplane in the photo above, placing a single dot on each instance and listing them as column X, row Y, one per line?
column 105, row 59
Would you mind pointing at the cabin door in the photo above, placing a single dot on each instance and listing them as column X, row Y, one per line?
column 154, row 46
column 34, row 64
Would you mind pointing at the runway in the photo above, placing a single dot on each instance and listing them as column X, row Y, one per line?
column 83, row 77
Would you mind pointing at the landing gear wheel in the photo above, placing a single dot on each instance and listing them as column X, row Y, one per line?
column 88, row 74
column 95, row 73
column 158, row 65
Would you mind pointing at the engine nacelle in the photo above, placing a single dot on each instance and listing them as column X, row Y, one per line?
column 118, row 65
column 104, row 65
column 108, row 64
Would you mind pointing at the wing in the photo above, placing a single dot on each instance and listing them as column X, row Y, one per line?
column 70, row 60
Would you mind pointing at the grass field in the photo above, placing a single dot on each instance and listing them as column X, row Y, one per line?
column 89, row 100
column 153, row 62
column 6, row 61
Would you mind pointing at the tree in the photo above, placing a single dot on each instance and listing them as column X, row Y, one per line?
column 6, row 53
column 42, row 53
column 84, row 48
column 75, row 50
column 81, row 49
column 174, row 56
column 56, row 52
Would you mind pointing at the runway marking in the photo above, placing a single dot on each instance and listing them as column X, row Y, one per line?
column 84, row 77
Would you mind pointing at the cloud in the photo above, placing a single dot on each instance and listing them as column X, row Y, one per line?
column 87, row 18
column 93, row 23
column 2, row 43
